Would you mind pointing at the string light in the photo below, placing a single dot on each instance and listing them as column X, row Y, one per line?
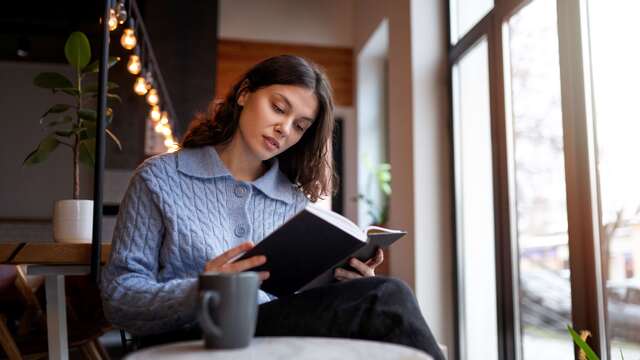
column 155, row 113
column 152, row 97
column 164, row 119
column 113, row 20
column 128, row 39
column 134, row 65
column 140, row 86
column 121, row 12
column 168, row 142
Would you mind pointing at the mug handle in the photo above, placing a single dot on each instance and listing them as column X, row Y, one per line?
column 205, row 318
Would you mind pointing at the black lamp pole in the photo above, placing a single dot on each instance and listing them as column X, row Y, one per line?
column 100, row 151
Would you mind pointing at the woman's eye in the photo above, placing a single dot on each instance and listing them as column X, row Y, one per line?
column 300, row 128
column 277, row 109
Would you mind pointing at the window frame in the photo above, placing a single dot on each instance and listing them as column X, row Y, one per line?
column 580, row 174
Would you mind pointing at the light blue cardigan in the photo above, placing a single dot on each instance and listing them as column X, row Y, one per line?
column 180, row 211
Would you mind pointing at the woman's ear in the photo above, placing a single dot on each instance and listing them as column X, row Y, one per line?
column 242, row 99
column 243, row 93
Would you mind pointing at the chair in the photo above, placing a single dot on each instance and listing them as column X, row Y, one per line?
column 23, row 331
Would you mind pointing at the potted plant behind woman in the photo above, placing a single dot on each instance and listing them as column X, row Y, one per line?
column 73, row 125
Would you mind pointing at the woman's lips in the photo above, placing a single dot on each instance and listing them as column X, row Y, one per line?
column 271, row 143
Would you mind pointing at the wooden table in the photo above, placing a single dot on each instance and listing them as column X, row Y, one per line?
column 302, row 348
column 54, row 261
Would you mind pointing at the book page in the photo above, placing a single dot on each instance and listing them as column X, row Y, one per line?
column 338, row 221
column 380, row 230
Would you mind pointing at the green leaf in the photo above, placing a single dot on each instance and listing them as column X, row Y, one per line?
column 582, row 344
column 46, row 146
column 87, row 152
column 93, row 87
column 88, row 114
column 70, row 90
column 95, row 65
column 114, row 138
column 77, row 50
column 89, row 129
column 112, row 99
column 55, row 109
column 65, row 133
column 52, row 80
column 386, row 189
column 64, row 120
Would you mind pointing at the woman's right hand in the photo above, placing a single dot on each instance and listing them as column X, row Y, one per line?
column 221, row 263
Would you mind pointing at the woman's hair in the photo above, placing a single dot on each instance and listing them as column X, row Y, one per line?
column 307, row 163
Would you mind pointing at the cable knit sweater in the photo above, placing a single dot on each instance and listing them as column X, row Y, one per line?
column 180, row 211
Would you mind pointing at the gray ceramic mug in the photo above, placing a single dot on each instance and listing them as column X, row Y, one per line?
column 228, row 309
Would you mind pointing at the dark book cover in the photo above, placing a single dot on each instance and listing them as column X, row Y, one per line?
column 304, row 251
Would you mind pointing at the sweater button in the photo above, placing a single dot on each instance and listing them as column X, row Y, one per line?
column 240, row 191
column 240, row 230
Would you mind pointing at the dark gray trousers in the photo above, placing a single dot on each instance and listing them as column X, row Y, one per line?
column 374, row 308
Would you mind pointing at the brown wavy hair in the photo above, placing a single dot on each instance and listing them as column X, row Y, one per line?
column 306, row 164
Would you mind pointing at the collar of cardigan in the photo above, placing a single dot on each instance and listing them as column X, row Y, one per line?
column 204, row 162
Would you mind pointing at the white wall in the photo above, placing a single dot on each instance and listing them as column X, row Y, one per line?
column 29, row 192
column 418, row 149
column 318, row 22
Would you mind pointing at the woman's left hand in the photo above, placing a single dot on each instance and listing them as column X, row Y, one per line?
column 365, row 269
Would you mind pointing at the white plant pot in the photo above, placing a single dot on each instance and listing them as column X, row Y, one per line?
column 73, row 221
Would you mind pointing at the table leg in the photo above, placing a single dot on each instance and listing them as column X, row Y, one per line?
column 56, row 317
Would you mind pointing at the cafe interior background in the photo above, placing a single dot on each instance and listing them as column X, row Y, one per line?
column 472, row 124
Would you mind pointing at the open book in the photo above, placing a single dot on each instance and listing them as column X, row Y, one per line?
column 305, row 251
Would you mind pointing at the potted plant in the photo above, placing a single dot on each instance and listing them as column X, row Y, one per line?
column 73, row 125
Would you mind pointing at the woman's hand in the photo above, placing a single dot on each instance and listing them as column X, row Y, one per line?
column 222, row 264
column 365, row 269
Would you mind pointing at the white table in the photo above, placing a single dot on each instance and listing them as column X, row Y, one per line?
column 285, row 348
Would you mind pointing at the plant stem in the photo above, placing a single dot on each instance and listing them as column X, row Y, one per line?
column 76, row 144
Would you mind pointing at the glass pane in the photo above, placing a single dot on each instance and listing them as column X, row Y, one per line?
column 615, row 60
column 465, row 14
column 536, row 120
column 474, row 195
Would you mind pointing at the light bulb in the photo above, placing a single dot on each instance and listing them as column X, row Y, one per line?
column 173, row 148
column 140, row 86
column 164, row 119
column 152, row 97
column 113, row 20
column 128, row 39
column 169, row 142
column 134, row 66
column 121, row 12
column 158, row 128
column 155, row 113
column 166, row 130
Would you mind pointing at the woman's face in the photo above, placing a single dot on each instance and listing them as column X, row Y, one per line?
column 274, row 118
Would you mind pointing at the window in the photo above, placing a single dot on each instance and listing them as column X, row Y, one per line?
column 561, row 145
column 615, row 55
column 474, row 171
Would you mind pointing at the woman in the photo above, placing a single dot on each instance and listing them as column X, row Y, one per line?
column 245, row 167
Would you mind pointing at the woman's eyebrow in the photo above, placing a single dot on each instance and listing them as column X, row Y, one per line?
column 286, row 100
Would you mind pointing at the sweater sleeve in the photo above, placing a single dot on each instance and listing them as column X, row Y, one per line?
column 133, row 298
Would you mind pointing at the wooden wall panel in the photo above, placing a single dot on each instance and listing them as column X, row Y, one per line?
column 236, row 57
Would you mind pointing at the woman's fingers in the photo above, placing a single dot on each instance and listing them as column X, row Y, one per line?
column 377, row 260
column 244, row 264
column 342, row 274
column 363, row 268
column 264, row 275
column 230, row 254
